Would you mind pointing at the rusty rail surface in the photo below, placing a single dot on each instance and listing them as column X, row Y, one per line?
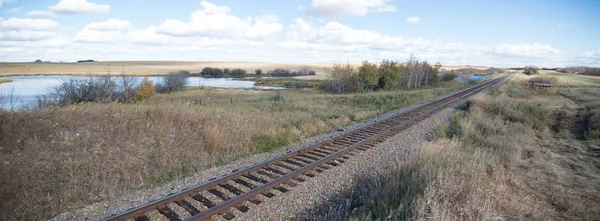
column 247, row 183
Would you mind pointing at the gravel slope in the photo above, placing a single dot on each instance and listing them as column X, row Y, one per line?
column 301, row 197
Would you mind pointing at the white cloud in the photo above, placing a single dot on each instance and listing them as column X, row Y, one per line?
column 26, row 35
column 4, row 2
column 413, row 20
column 41, row 14
column 215, row 21
column 27, row 24
column 337, row 33
column 109, row 25
column 333, row 8
column 525, row 50
column 264, row 27
column 591, row 58
column 210, row 8
column 111, row 30
column 77, row 7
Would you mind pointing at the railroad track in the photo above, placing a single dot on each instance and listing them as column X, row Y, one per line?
column 232, row 193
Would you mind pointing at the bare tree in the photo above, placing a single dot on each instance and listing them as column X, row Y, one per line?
column 128, row 85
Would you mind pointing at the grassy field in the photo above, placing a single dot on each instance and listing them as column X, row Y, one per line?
column 53, row 159
column 143, row 68
column 516, row 153
column 140, row 68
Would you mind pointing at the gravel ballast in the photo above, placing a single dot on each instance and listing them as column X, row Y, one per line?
column 329, row 187
column 301, row 198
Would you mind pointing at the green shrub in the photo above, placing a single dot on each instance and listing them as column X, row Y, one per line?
column 531, row 70
column 264, row 143
column 389, row 74
column 368, row 76
column 592, row 119
column 237, row 72
column 212, row 72
column 258, row 71
column 449, row 76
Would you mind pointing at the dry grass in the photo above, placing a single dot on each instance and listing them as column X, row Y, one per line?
column 56, row 159
column 141, row 68
column 505, row 164
column 4, row 80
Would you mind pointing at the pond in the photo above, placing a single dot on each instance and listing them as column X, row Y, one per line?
column 24, row 89
column 470, row 77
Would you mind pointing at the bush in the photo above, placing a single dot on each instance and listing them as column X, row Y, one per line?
column 174, row 81
column 592, row 119
column 258, row 71
column 389, row 74
column 238, row 72
column 448, row 76
column 531, row 70
column 280, row 72
column 343, row 79
column 368, row 76
column 227, row 71
column 92, row 89
column 544, row 80
column 212, row 72
column 145, row 90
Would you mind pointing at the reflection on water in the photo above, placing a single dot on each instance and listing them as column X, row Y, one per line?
column 470, row 77
column 26, row 88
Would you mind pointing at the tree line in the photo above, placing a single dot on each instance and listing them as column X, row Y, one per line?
column 385, row 75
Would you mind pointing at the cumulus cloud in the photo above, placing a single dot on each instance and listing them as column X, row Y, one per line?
column 337, row 33
column 111, row 30
column 333, row 8
column 216, row 21
column 27, row 24
column 110, row 25
column 41, row 14
column 25, row 35
column 413, row 20
column 78, row 7
column 27, row 29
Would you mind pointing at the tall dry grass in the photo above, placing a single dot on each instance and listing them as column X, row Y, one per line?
column 503, row 163
column 57, row 158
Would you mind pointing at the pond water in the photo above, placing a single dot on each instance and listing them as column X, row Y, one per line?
column 25, row 89
column 470, row 77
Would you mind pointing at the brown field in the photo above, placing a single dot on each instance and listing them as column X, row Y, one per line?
column 139, row 67
column 158, row 67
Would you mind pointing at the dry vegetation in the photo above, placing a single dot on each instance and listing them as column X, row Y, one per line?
column 142, row 68
column 504, row 157
column 54, row 159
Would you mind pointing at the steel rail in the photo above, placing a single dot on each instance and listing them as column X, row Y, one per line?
column 140, row 212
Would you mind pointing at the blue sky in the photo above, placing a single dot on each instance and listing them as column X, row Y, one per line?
column 549, row 33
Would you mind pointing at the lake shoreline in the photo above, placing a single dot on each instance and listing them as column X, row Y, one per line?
column 2, row 80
